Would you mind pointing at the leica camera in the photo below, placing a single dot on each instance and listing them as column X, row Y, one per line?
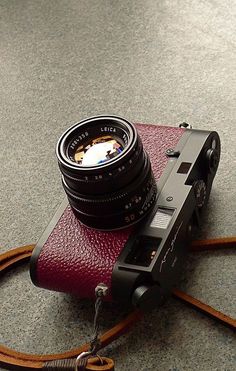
column 135, row 193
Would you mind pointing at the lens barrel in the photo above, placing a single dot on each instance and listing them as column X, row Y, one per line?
column 106, row 173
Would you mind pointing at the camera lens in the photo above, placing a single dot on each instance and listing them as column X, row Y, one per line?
column 106, row 173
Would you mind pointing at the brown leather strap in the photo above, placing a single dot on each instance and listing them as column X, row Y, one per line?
column 204, row 308
column 213, row 244
column 15, row 360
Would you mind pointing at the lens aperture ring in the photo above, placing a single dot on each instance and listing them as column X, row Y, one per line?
column 119, row 220
column 127, row 198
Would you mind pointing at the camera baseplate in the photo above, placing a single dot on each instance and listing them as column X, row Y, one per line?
column 151, row 262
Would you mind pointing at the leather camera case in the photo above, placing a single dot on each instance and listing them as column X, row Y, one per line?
column 72, row 258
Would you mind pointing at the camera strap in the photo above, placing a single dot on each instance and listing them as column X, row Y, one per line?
column 14, row 360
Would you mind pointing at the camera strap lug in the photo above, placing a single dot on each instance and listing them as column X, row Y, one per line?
column 170, row 152
column 82, row 360
column 185, row 125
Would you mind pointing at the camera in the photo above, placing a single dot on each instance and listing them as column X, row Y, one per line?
column 135, row 194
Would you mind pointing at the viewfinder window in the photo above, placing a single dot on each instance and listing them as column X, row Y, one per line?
column 184, row 167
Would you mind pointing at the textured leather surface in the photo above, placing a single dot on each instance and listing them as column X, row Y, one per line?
column 75, row 258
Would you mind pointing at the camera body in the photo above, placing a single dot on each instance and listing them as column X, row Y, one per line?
column 139, row 264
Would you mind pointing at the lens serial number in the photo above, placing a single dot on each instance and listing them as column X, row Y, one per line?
column 79, row 138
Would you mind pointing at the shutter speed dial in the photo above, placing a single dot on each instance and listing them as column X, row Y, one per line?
column 200, row 192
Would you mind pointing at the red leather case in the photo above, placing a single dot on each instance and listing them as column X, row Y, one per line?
column 73, row 258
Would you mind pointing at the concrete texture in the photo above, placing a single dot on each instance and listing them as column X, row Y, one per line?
column 149, row 61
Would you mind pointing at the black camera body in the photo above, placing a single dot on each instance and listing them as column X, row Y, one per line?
column 167, row 231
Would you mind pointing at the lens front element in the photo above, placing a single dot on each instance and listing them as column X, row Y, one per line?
column 98, row 151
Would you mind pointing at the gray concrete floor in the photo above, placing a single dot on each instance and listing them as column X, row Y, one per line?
column 149, row 61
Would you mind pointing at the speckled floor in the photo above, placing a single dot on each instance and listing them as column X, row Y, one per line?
column 149, row 61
